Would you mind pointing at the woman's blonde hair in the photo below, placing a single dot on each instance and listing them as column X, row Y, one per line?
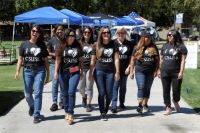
column 122, row 29
column 140, row 48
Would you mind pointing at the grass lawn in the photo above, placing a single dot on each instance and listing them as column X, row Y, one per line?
column 11, row 91
column 191, row 87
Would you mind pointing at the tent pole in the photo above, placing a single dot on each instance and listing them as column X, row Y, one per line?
column 13, row 36
column 82, row 24
column 68, row 22
column 51, row 30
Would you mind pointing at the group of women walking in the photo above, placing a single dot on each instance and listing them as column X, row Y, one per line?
column 76, row 64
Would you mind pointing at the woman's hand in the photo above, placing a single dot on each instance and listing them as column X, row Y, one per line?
column 127, row 71
column 132, row 75
column 17, row 75
column 117, row 76
column 91, row 78
column 180, row 75
column 158, row 73
column 55, row 75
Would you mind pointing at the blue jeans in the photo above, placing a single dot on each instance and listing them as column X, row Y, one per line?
column 34, row 77
column 69, row 83
column 121, row 86
column 104, row 81
column 144, row 82
column 55, row 84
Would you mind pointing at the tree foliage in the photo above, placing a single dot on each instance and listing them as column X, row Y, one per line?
column 160, row 11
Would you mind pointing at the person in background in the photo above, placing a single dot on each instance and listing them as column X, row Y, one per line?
column 125, row 50
column 172, row 65
column 52, row 44
column 85, row 85
column 105, row 67
column 33, row 54
column 79, row 34
column 69, row 69
column 145, row 63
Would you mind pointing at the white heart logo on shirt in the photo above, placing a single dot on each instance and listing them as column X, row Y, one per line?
column 87, row 49
column 108, row 52
column 123, row 50
column 72, row 52
column 173, row 51
column 35, row 51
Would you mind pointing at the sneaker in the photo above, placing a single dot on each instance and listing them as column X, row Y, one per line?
column 139, row 109
column 122, row 106
column 89, row 108
column 70, row 119
column 168, row 111
column 36, row 120
column 66, row 116
column 61, row 105
column 114, row 110
column 104, row 117
column 84, row 101
column 177, row 106
column 31, row 110
column 54, row 107
column 145, row 109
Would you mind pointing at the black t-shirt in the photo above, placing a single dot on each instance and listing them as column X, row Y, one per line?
column 147, row 63
column 87, row 51
column 106, row 60
column 70, row 56
column 33, row 54
column 52, row 44
column 125, row 51
column 172, row 56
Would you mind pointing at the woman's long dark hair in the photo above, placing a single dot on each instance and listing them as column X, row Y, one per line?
column 40, row 41
column 91, row 40
column 67, row 32
column 177, row 37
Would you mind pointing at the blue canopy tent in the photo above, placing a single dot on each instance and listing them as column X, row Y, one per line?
column 82, row 19
column 135, row 21
column 43, row 15
column 117, row 22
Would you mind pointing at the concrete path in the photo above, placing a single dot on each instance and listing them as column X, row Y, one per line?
column 128, row 121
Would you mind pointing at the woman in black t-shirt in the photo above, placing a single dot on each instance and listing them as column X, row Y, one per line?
column 125, row 50
column 172, row 64
column 33, row 54
column 105, row 60
column 145, row 61
column 69, row 65
column 85, row 85
column 52, row 44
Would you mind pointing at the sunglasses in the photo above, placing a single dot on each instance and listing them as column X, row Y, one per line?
column 71, row 35
column 121, row 33
column 85, row 32
column 170, row 35
column 106, row 32
column 35, row 31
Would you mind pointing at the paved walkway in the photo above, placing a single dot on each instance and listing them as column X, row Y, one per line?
column 128, row 121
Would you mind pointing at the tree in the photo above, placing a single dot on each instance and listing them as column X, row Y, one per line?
column 7, row 10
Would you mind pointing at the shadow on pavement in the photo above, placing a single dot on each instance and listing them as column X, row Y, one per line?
column 9, row 99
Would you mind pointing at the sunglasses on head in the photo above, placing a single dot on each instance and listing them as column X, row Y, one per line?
column 35, row 31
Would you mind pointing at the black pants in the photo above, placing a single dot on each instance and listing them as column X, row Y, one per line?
column 170, row 79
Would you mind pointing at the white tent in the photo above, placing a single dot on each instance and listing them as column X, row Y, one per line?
column 147, row 23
